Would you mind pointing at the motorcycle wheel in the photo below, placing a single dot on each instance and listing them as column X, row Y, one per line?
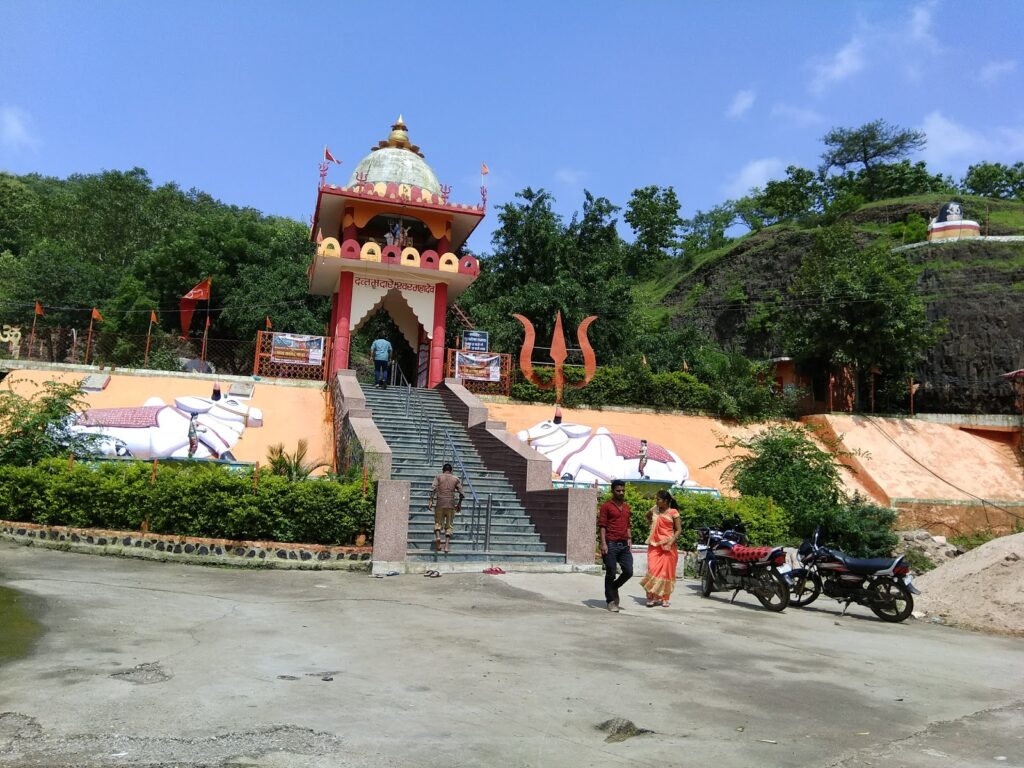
column 707, row 582
column 891, row 601
column 805, row 591
column 772, row 591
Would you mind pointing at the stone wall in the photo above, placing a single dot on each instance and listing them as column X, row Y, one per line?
column 188, row 549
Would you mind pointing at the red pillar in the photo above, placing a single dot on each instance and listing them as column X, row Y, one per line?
column 437, row 340
column 341, row 313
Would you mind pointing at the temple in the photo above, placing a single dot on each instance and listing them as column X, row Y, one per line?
column 391, row 239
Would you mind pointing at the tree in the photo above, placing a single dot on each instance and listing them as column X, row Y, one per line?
column 995, row 180
column 890, row 180
column 706, row 230
column 856, row 306
column 869, row 145
column 784, row 463
column 796, row 198
column 653, row 214
column 540, row 266
column 39, row 426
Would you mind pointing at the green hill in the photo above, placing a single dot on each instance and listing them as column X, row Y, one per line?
column 733, row 294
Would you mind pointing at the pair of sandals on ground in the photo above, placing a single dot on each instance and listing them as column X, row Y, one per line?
column 653, row 601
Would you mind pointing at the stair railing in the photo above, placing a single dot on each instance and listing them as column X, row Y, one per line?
column 476, row 512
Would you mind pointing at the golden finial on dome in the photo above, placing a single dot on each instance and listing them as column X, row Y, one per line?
column 398, row 138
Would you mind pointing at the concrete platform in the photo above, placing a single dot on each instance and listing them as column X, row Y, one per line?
column 151, row 664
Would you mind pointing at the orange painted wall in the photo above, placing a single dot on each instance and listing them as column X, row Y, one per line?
column 289, row 412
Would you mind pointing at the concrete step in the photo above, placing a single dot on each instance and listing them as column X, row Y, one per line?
column 492, row 556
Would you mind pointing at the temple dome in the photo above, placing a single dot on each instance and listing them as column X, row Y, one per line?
column 397, row 160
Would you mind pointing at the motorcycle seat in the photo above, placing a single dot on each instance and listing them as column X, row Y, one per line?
column 866, row 565
column 749, row 554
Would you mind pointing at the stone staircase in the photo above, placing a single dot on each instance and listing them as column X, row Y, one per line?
column 512, row 535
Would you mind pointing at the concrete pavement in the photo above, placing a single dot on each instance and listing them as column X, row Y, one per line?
column 146, row 663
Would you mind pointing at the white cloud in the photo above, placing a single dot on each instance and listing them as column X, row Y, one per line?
column 797, row 115
column 844, row 64
column 756, row 173
column 949, row 141
column 16, row 129
column 571, row 177
column 995, row 70
column 741, row 104
column 920, row 29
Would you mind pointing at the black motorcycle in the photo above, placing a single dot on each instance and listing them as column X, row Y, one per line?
column 724, row 561
column 883, row 584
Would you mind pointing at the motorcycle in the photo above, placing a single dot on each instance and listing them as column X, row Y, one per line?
column 724, row 561
column 883, row 585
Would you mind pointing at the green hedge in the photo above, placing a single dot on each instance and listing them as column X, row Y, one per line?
column 767, row 523
column 187, row 499
column 727, row 385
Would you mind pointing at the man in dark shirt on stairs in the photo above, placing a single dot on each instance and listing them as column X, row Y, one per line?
column 616, row 540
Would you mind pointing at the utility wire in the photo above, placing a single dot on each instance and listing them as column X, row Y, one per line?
column 873, row 421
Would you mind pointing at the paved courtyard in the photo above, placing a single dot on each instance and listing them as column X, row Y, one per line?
column 144, row 663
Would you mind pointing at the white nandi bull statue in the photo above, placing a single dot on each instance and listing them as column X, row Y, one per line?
column 584, row 455
column 156, row 430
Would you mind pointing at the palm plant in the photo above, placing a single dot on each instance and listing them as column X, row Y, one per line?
column 294, row 466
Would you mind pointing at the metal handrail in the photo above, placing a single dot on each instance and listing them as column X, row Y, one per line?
column 414, row 409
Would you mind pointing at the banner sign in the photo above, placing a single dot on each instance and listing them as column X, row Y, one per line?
column 298, row 350
column 470, row 365
column 476, row 341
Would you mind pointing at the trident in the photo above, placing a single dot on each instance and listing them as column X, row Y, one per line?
column 558, row 355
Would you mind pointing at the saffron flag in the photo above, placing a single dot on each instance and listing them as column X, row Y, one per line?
column 201, row 292
column 39, row 309
column 484, row 170
column 269, row 324
column 96, row 315
column 328, row 157
column 152, row 316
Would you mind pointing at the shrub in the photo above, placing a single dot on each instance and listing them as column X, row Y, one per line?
column 187, row 499
column 861, row 529
column 766, row 522
column 728, row 385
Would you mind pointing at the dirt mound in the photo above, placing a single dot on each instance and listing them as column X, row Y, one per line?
column 982, row 589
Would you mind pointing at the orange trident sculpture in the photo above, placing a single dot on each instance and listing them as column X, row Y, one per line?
column 558, row 355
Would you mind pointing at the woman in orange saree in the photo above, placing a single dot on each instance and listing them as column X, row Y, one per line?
column 662, row 552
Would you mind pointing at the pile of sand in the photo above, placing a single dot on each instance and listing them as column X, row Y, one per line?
column 982, row 589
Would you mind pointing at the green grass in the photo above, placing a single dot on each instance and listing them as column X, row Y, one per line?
column 972, row 540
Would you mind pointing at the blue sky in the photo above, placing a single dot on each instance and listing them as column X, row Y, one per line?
column 238, row 99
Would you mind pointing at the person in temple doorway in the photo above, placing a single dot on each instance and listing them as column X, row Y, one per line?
column 380, row 351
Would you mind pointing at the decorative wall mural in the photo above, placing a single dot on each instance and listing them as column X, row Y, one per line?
column 584, row 455
column 156, row 430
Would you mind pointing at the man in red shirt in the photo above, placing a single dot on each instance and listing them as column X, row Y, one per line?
column 613, row 526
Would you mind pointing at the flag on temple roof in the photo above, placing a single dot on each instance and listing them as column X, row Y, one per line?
column 39, row 309
column 328, row 157
column 96, row 315
column 269, row 324
column 484, row 170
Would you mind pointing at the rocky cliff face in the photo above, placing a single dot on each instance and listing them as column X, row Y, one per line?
column 975, row 287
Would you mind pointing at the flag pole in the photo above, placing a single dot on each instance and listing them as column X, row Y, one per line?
column 88, row 341
column 32, row 335
column 149, row 335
